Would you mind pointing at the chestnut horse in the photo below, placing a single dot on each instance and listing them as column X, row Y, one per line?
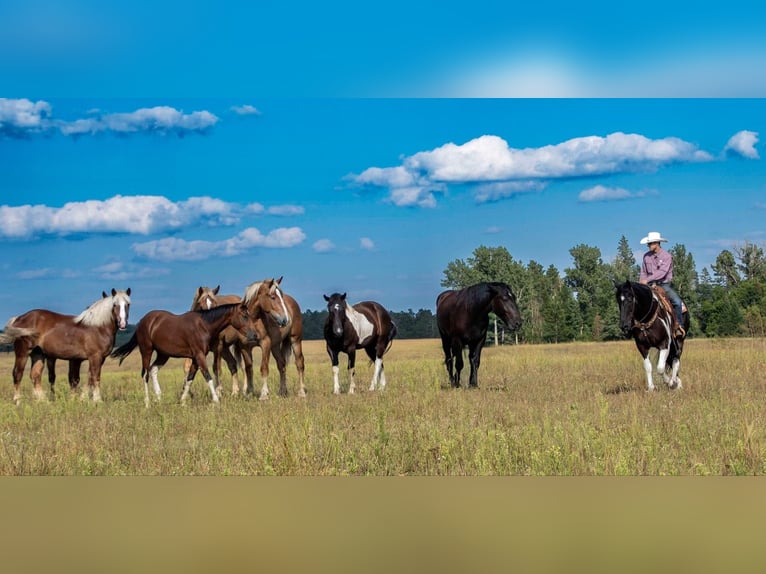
column 279, row 333
column 463, row 318
column 88, row 336
column 650, row 323
column 186, row 335
column 366, row 325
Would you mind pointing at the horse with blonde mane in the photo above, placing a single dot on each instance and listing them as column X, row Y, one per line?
column 42, row 334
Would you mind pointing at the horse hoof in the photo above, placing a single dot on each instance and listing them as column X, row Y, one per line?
column 263, row 398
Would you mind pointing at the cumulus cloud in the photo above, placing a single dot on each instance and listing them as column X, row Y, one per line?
column 504, row 171
column 245, row 110
column 603, row 193
column 140, row 214
column 366, row 243
column 285, row 210
column 323, row 246
column 175, row 249
column 743, row 144
column 24, row 118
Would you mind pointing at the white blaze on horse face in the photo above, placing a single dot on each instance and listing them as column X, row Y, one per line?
column 209, row 303
column 123, row 315
column 284, row 307
column 361, row 324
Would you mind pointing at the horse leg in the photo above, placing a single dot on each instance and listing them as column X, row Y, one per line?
column 51, row 365
column 377, row 358
column 186, row 392
column 335, row 368
column 675, row 380
column 36, row 373
column 457, row 351
column 202, row 364
column 351, row 370
column 152, row 371
column 74, row 374
column 297, row 346
column 474, row 357
column 246, row 356
column 265, row 352
column 277, row 352
column 187, row 367
column 21, row 350
column 94, row 377
column 448, row 358
column 224, row 351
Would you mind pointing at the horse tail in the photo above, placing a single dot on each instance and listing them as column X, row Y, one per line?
column 391, row 336
column 126, row 349
column 11, row 333
column 287, row 351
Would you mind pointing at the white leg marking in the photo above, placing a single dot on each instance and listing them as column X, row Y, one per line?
column 376, row 373
column 648, row 369
column 382, row 381
column 211, row 384
column 156, row 383
column 675, row 381
column 146, row 391
column 351, row 384
column 264, row 389
column 335, row 381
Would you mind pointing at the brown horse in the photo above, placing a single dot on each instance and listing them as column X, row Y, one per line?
column 366, row 325
column 280, row 333
column 207, row 298
column 88, row 336
column 186, row 335
column 463, row 318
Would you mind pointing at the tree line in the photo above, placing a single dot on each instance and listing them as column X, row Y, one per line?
column 728, row 299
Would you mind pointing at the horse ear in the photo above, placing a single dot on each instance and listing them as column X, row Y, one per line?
column 278, row 281
column 199, row 290
column 326, row 298
column 104, row 295
column 215, row 291
column 127, row 292
column 343, row 296
column 114, row 291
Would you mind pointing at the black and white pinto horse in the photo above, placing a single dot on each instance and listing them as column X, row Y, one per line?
column 644, row 317
column 463, row 318
column 366, row 325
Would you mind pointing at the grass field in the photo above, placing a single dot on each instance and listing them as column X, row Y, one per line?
column 570, row 409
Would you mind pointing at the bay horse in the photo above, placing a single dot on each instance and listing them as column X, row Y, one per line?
column 366, row 325
column 645, row 318
column 207, row 298
column 463, row 318
column 279, row 330
column 89, row 336
column 187, row 335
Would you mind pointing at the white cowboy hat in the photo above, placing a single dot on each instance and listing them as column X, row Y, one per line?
column 653, row 237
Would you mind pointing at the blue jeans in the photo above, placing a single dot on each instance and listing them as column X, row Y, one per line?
column 675, row 300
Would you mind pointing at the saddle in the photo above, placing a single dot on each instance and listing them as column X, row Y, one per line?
column 668, row 306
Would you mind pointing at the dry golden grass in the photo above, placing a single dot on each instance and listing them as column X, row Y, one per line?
column 571, row 409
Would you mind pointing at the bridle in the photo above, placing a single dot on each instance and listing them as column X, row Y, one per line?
column 642, row 325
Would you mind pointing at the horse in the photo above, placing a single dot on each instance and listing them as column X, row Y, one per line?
column 89, row 336
column 187, row 335
column 463, row 318
column 207, row 298
column 366, row 325
column 645, row 318
column 279, row 329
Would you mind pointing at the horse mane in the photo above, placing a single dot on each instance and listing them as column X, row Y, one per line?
column 100, row 312
column 252, row 290
column 212, row 315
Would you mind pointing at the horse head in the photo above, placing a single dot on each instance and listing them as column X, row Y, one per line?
column 336, row 307
column 121, row 308
column 205, row 298
column 265, row 297
column 505, row 306
column 626, row 301
column 242, row 322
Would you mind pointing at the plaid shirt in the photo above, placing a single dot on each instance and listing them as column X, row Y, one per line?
column 657, row 267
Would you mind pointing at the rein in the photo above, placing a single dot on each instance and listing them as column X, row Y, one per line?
column 643, row 325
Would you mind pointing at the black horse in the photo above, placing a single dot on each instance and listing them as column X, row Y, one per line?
column 650, row 321
column 463, row 318
column 366, row 325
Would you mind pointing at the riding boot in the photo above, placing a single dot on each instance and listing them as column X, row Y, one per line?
column 679, row 330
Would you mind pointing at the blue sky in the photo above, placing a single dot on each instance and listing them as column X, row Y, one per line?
column 224, row 146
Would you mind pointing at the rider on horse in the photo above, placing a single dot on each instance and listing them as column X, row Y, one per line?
column 657, row 269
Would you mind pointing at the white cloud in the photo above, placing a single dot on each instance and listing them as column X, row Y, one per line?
column 245, row 110
column 493, row 229
column 21, row 116
column 602, row 193
column 141, row 214
column 323, row 246
column 505, row 171
column 366, row 243
column 285, row 210
column 175, row 249
column 743, row 144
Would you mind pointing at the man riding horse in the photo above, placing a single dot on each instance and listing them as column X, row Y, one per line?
column 657, row 269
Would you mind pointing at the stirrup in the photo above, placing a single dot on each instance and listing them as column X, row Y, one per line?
column 680, row 332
